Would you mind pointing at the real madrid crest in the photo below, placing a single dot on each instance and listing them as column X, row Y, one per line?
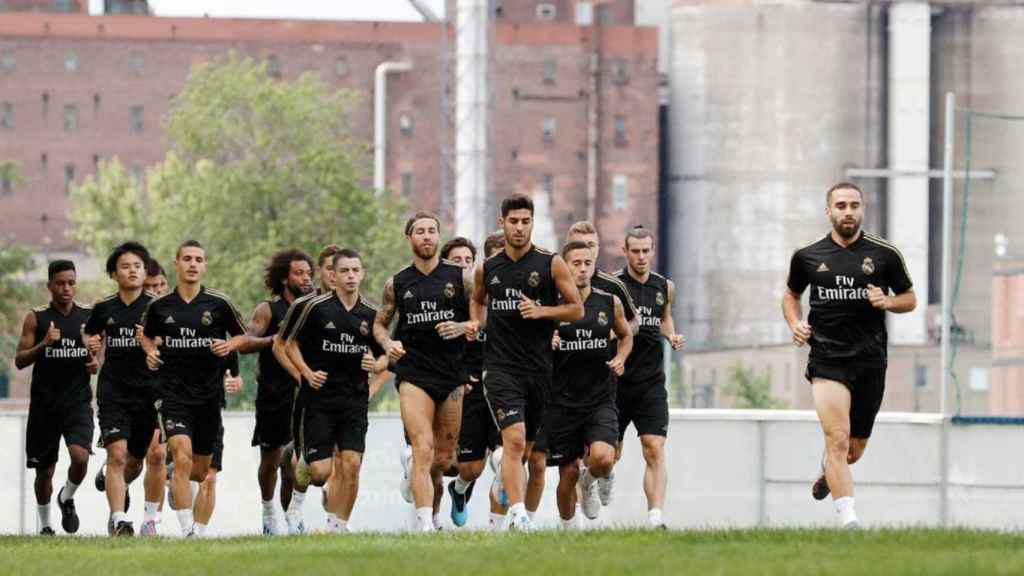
column 449, row 290
column 534, row 279
column 602, row 318
column 207, row 318
column 364, row 328
column 659, row 298
column 868, row 266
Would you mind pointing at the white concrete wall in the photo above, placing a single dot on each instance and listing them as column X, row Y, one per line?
column 726, row 469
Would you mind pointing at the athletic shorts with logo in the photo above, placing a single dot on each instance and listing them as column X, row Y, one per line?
column 326, row 427
column 571, row 431
column 865, row 379
column 46, row 426
column 517, row 397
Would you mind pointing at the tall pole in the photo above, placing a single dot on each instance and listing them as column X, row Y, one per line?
column 947, row 249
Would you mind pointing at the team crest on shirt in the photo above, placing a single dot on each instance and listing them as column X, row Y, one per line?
column 534, row 279
column 602, row 318
column 449, row 290
column 868, row 266
column 207, row 318
column 364, row 328
column 110, row 321
column 659, row 298
column 500, row 413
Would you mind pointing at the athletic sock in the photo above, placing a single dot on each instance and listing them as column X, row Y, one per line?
column 67, row 492
column 118, row 517
column 438, row 521
column 569, row 524
column 200, row 529
column 295, row 506
column 497, row 521
column 461, row 485
column 530, row 513
column 845, row 511
column 185, row 520
column 44, row 516
column 654, row 517
column 268, row 508
column 424, row 518
column 151, row 512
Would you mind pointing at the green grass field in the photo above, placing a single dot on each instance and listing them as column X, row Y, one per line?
column 745, row 552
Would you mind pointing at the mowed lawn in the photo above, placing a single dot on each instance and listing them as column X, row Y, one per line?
column 747, row 552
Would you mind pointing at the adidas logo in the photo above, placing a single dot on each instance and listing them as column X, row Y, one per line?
column 408, row 294
column 170, row 320
column 495, row 280
column 823, row 268
column 110, row 321
column 330, row 325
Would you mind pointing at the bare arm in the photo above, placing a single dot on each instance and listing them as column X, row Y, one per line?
column 28, row 350
column 668, row 325
column 382, row 323
column 478, row 299
column 450, row 330
column 281, row 355
column 261, row 317
column 791, row 311
column 625, row 336
column 379, row 379
column 898, row 304
column 571, row 308
column 315, row 379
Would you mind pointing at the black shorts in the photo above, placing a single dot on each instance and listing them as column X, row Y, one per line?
column 132, row 420
column 47, row 424
column 479, row 432
column 517, row 397
column 866, row 381
column 645, row 405
column 437, row 393
column 273, row 427
column 341, row 427
column 217, row 460
column 571, row 431
column 540, row 441
column 200, row 422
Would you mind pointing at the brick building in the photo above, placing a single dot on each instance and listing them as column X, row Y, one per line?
column 75, row 89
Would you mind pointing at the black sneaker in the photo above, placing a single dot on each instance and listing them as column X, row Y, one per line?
column 68, row 515
column 820, row 489
column 124, row 528
column 47, row 532
column 101, row 478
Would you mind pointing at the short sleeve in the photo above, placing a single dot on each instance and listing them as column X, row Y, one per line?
column 94, row 324
column 233, row 323
column 797, row 281
column 896, row 274
column 291, row 319
column 304, row 329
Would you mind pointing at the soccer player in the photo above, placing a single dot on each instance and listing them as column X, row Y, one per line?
column 517, row 290
column 430, row 299
column 855, row 277
column 206, row 494
column 125, row 393
column 288, row 277
column 582, row 420
column 642, row 396
column 156, row 279
column 333, row 347
column 60, row 399
column 198, row 327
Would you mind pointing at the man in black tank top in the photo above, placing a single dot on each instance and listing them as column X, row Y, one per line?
column 516, row 292
column 855, row 278
column 429, row 299
column 288, row 276
column 60, row 397
column 642, row 396
column 126, row 389
column 582, row 421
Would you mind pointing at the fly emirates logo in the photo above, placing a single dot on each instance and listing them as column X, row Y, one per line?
column 124, row 338
column 188, row 339
column 347, row 345
column 429, row 314
column 843, row 290
column 510, row 303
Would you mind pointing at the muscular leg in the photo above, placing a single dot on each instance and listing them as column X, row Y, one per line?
column 266, row 474
column 857, row 448
column 513, row 441
column 43, row 485
column 538, row 465
column 156, row 470
column 568, row 475
column 832, row 402
column 117, row 457
column 418, row 417
column 206, row 499
column 655, row 476
column 79, row 463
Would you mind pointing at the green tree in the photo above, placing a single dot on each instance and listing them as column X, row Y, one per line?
column 254, row 165
column 14, row 293
column 751, row 388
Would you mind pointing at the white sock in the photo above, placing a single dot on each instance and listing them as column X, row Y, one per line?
column 200, row 529
column 67, row 492
column 461, row 485
column 497, row 521
column 654, row 517
column 438, row 522
column 332, row 520
column 335, row 524
column 185, row 519
column 118, row 517
column 295, row 506
column 424, row 518
column 569, row 524
column 530, row 513
column 151, row 512
column 845, row 511
column 268, row 508
column 44, row 515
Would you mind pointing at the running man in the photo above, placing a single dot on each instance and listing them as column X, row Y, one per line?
column 60, row 403
column 582, row 420
column 855, row 277
column 642, row 396
column 516, row 292
column 430, row 299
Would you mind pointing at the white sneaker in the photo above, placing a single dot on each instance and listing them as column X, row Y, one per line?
column 405, row 459
column 604, row 489
column 521, row 524
column 853, row 524
column 295, row 524
column 498, row 486
column 269, row 526
column 591, row 500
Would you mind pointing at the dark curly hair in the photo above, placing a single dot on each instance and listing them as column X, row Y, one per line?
column 276, row 274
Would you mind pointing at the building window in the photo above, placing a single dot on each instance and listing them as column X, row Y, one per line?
column 550, row 68
column 69, row 177
column 7, row 115
column 136, row 61
column 70, row 117
column 341, row 67
column 46, row 104
column 7, row 62
column 621, row 138
column 406, row 185
column 620, row 192
column 273, row 66
column 62, row 6
column 546, row 11
column 44, row 162
column 71, row 61
column 601, row 14
column 405, row 124
column 584, row 13
column 136, row 124
column 548, row 183
column 549, row 127
column 96, row 100
column 95, row 162
column 620, row 73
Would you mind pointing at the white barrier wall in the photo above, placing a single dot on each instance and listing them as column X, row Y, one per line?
column 727, row 468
